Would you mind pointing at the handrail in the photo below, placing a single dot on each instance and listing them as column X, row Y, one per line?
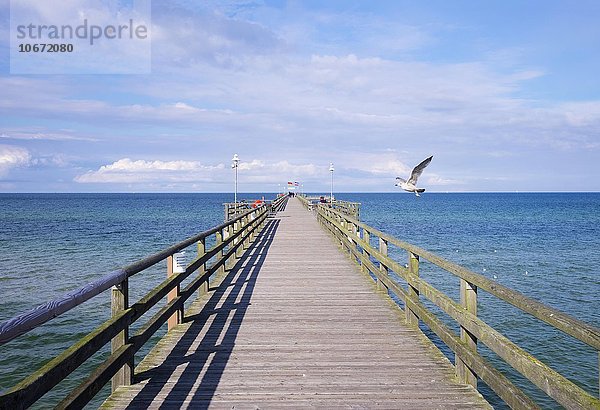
column 280, row 203
column 349, row 208
column 41, row 314
column 303, row 200
column 231, row 238
column 355, row 236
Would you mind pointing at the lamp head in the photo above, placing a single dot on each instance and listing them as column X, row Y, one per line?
column 331, row 167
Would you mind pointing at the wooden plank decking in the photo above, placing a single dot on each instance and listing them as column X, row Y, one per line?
column 295, row 324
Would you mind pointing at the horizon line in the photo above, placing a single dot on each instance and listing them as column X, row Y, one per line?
column 307, row 193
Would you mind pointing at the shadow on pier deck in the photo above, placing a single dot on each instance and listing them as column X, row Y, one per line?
column 294, row 324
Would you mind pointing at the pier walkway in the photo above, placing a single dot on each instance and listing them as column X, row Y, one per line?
column 294, row 324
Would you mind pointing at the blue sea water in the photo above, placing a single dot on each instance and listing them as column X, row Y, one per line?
column 544, row 245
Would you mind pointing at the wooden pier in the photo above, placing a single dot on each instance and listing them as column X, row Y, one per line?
column 295, row 324
column 290, row 306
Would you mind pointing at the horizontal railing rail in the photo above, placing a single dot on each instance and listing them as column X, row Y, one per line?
column 235, row 208
column 348, row 208
column 232, row 209
column 231, row 238
column 280, row 204
column 356, row 237
column 305, row 201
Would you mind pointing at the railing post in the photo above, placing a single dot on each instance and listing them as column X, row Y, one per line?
column 120, row 302
column 351, row 237
column 264, row 221
column 468, row 299
column 342, row 222
column 176, row 318
column 413, row 293
column 367, row 255
column 383, row 249
column 229, row 232
column 251, row 217
column 203, row 289
column 218, row 242
column 243, row 245
column 348, row 235
column 233, row 230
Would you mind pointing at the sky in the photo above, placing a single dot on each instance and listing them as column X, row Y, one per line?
column 504, row 94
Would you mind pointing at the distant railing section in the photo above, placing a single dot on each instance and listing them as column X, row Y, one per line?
column 348, row 208
column 230, row 239
column 305, row 201
column 357, row 238
column 235, row 208
column 279, row 204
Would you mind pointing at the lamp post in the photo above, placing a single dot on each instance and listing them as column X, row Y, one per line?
column 236, row 161
column 331, row 170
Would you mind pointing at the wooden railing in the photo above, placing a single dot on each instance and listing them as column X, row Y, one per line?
column 357, row 239
column 349, row 208
column 305, row 201
column 232, row 209
column 230, row 239
column 235, row 208
column 280, row 203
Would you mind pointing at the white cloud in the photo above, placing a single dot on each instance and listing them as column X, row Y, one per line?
column 136, row 171
column 437, row 180
column 255, row 164
column 32, row 134
column 131, row 171
column 582, row 113
column 12, row 157
column 307, row 170
column 185, row 36
column 324, row 97
column 57, row 160
column 299, row 90
column 388, row 166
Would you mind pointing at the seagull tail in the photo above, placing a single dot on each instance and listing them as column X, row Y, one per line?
column 420, row 190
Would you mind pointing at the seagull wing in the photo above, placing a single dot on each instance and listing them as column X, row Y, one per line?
column 401, row 180
column 416, row 173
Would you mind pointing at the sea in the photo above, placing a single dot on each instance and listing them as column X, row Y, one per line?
column 544, row 245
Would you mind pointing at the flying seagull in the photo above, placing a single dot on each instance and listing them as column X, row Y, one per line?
column 411, row 184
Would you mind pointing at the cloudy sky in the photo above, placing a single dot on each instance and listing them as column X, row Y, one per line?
column 505, row 95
